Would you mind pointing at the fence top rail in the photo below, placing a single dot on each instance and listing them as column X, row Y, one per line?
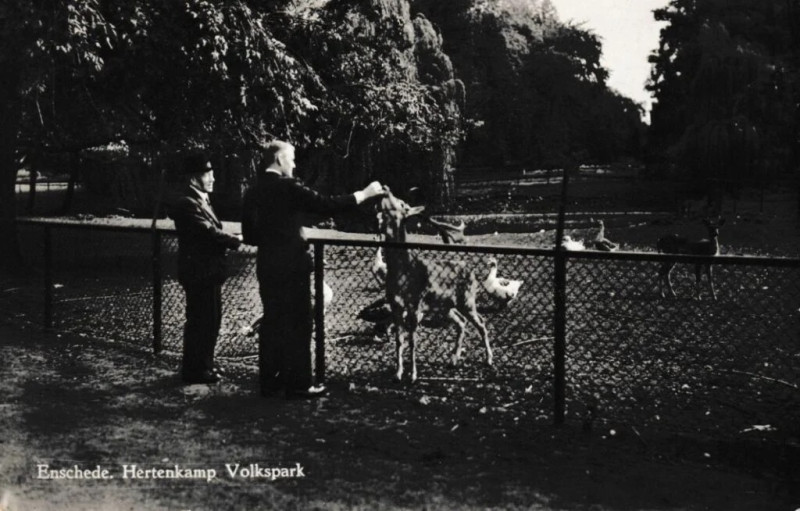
column 113, row 224
column 740, row 260
column 323, row 237
column 126, row 224
column 552, row 252
column 489, row 249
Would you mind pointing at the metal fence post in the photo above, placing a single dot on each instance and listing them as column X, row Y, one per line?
column 560, row 311
column 156, row 292
column 560, row 332
column 319, row 310
column 48, row 278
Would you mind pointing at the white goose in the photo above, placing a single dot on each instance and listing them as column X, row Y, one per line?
column 571, row 244
column 503, row 289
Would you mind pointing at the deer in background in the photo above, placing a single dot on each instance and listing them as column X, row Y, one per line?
column 675, row 244
column 415, row 285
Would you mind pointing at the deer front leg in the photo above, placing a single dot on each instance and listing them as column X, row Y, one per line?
column 669, row 280
column 461, row 323
column 480, row 324
column 664, row 279
column 399, row 336
column 699, row 270
column 410, row 326
column 413, row 345
column 711, row 283
column 698, row 277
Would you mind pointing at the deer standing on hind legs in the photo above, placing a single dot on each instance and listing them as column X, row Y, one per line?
column 415, row 285
column 675, row 244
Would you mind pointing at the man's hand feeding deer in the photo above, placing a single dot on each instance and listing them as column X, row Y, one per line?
column 415, row 285
column 675, row 244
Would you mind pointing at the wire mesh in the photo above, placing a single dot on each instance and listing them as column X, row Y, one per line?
column 360, row 345
column 22, row 294
column 520, row 332
column 683, row 363
column 687, row 364
column 101, row 282
column 241, row 304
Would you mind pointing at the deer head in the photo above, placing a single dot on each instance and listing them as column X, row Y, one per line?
column 713, row 226
column 392, row 216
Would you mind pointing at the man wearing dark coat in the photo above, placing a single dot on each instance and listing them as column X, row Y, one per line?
column 273, row 214
column 202, row 246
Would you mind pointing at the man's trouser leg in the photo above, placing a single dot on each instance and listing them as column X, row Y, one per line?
column 203, row 319
column 271, row 333
column 286, row 330
column 298, row 345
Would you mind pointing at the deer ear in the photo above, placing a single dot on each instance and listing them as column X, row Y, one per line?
column 415, row 210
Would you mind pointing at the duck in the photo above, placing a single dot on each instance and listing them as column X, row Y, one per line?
column 603, row 243
column 380, row 314
column 571, row 244
column 377, row 312
column 505, row 290
column 379, row 267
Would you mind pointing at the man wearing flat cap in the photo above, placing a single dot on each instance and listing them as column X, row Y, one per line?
column 202, row 246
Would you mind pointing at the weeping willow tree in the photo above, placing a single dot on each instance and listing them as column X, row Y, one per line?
column 721, row 147
column 724, row 82
column 389, row 105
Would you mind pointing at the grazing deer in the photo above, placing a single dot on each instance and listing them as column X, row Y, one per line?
column 415, row 285
column 675, row 244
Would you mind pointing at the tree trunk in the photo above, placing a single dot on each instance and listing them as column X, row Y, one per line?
column 32, row 178
column 74, row 167
column 10, row 112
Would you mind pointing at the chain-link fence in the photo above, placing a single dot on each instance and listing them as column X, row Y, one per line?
column 119, row 283
column 360, row 344
column 241, row 301
column 626, row 353
column 671, row 363
column 684, row 363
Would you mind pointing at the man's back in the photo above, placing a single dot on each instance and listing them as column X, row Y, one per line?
column 274, row 212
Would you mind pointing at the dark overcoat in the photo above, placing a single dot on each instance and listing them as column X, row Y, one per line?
column 201, row 241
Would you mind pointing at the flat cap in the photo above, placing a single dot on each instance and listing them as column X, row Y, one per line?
column 195, row 164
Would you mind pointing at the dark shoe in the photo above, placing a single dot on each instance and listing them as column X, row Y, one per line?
column 309, row 393
column 204, row 377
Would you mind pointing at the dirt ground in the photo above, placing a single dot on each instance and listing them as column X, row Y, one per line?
column 71, row 401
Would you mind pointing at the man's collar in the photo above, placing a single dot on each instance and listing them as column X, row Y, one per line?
column 203, row 195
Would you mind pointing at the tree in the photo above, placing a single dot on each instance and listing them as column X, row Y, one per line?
column 724, row 81
column 46, row 48
column 389, row 107
column 535, row 89
column 154, row 78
